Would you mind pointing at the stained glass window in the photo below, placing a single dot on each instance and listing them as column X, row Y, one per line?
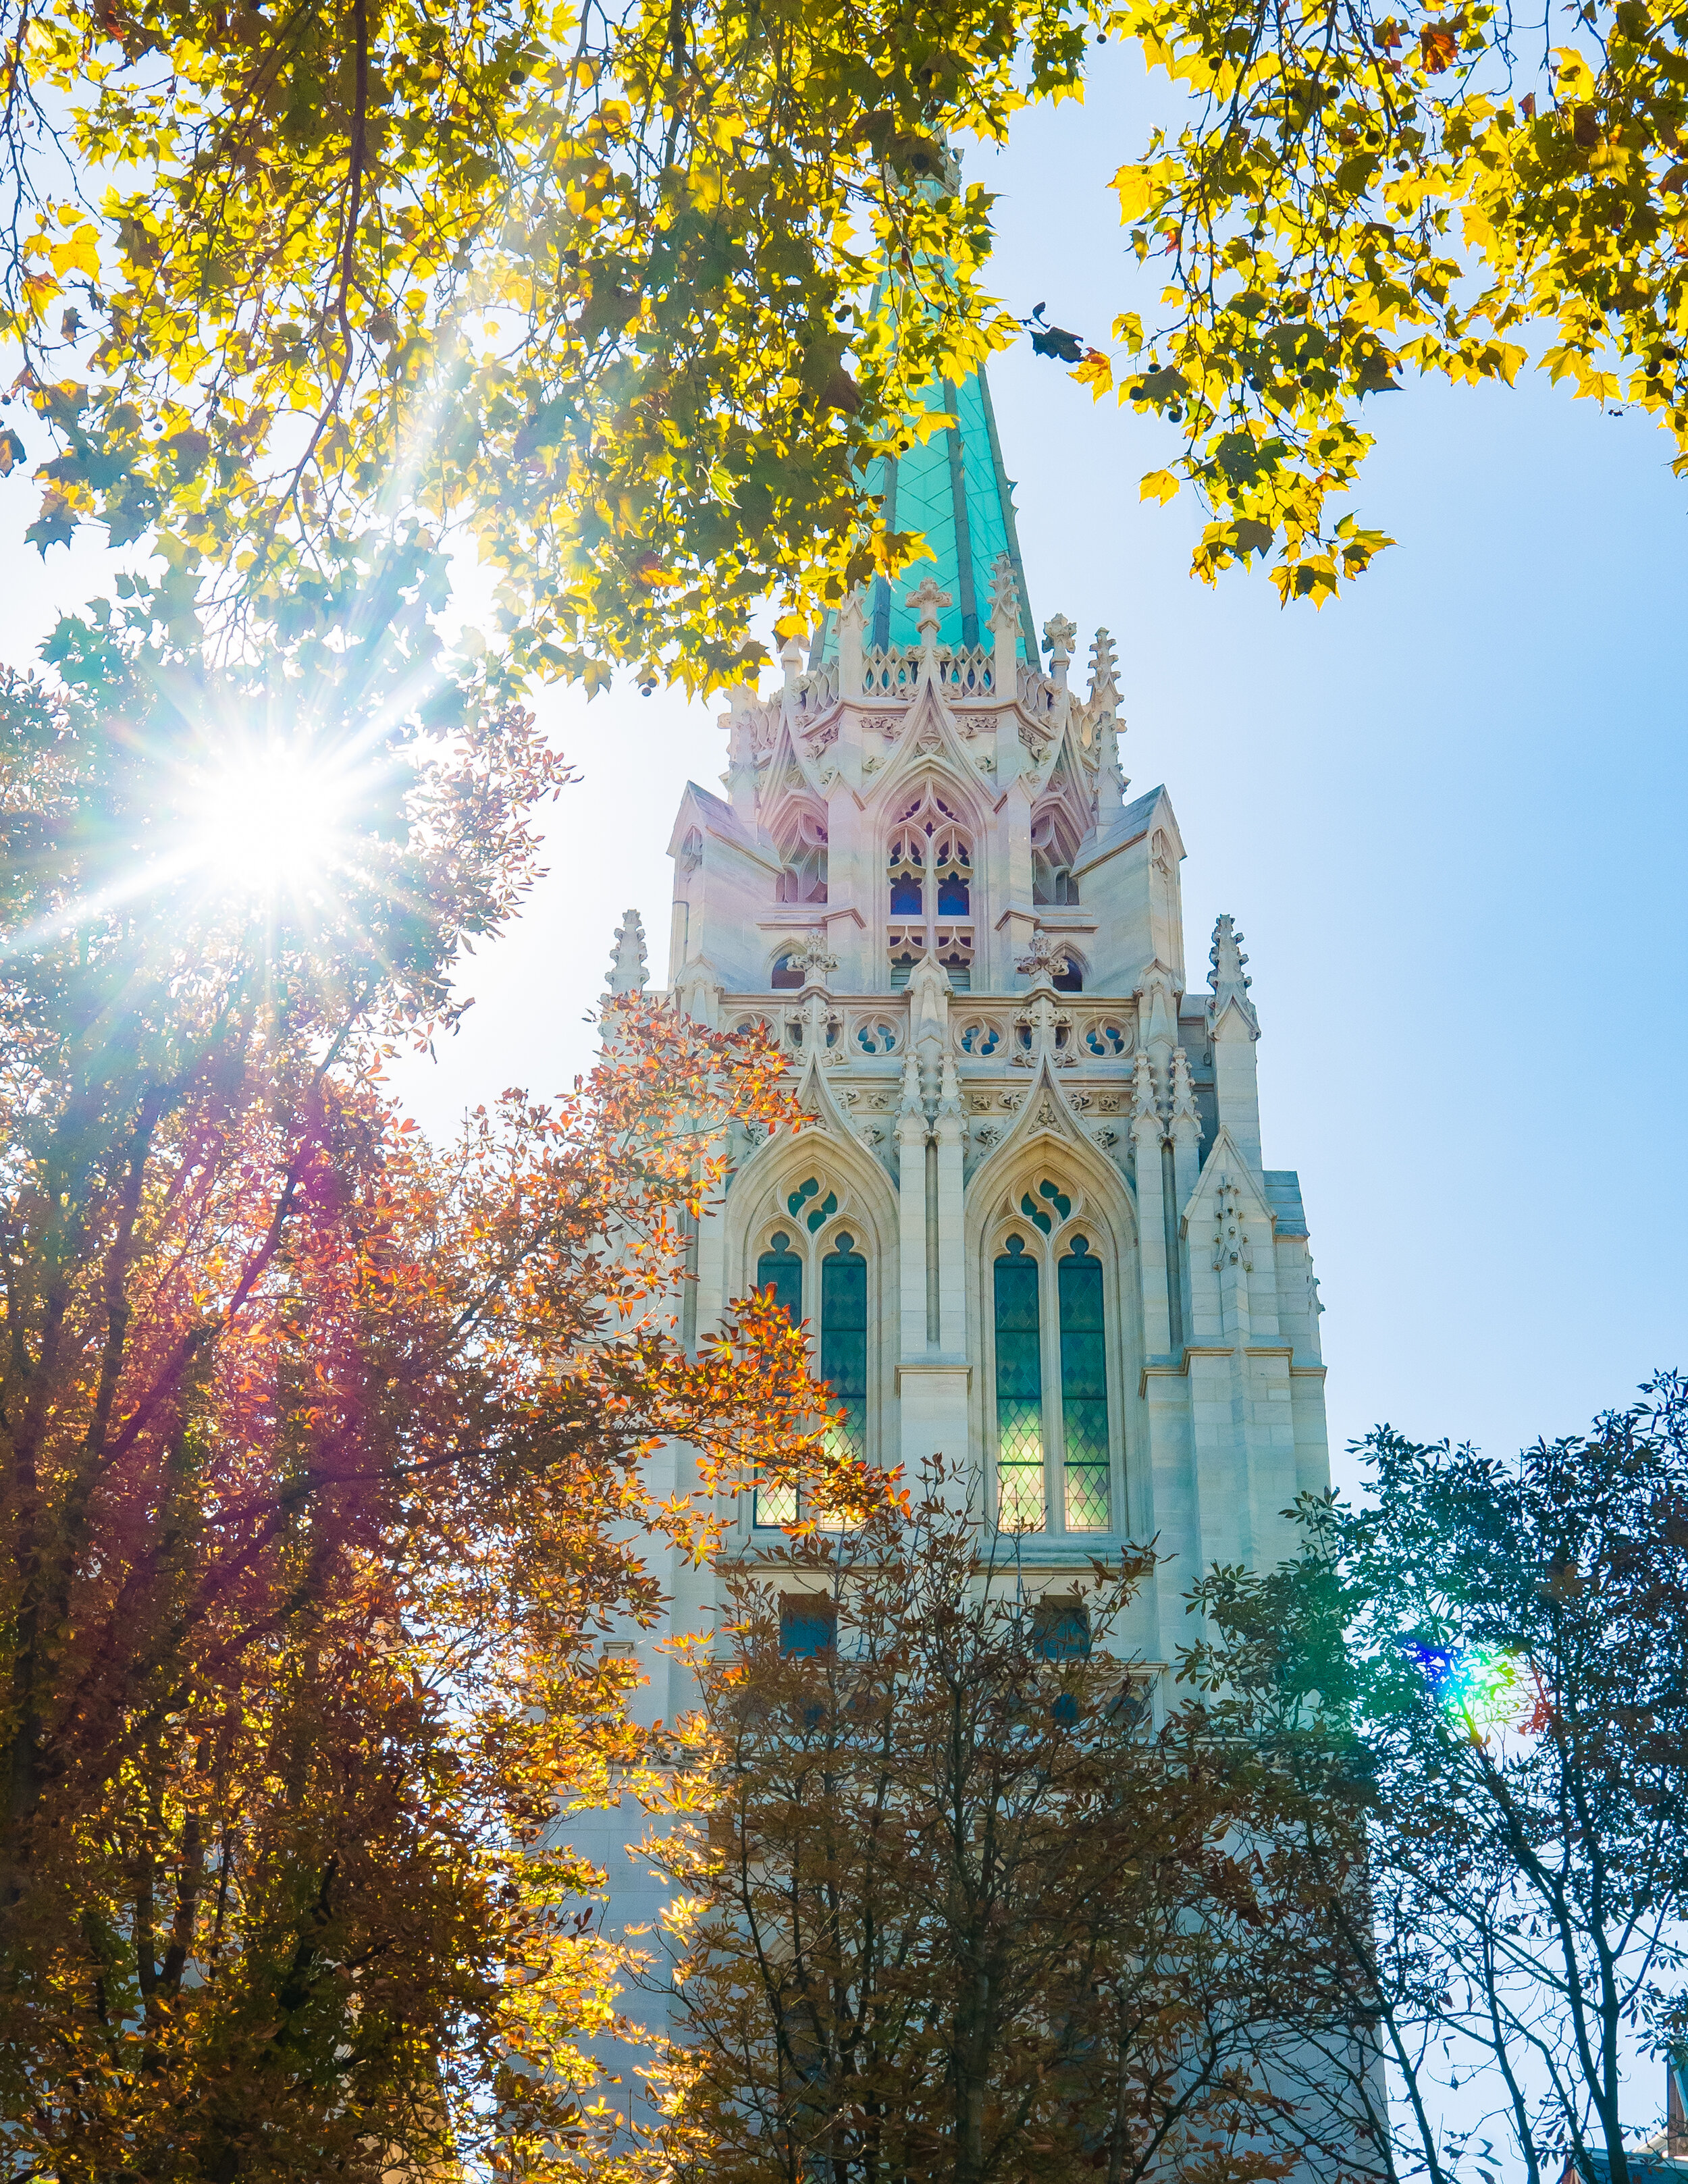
column 843, row 1340
column 811, row 1188
column 1019, row 1393
column 781, row 1270
column 1084, row 1388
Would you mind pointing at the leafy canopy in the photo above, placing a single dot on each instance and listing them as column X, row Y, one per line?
column 578, row 283
column 1360, row 192
column 322, row 1451
column 609, row 292
column 1488, row 1661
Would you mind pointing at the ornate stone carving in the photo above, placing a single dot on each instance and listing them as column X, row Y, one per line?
column 1104, row 670
column 628, row 971
column 1231, row 1243
column 1183, row 1107
column 1145, row 1109
column 1005, row 596
column 814, row 962
column 1058, row 635
column 1229, row 981
column 1044, row 959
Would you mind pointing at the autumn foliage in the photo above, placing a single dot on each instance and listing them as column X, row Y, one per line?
column 322, row 1466
column 630, row 296
column 971, row 1905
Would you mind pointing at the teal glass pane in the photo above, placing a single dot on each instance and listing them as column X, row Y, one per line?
column 844, row 1343
column 1058, row 1199
column 1060, row 1630
column 780, row 1270
column 806, row 1630
column 1083, row 1389
column 1019, row 1393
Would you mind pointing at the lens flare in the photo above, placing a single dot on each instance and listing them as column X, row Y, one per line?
column 1479, row 1684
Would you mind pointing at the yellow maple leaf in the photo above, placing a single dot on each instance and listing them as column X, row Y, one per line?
column 78, row 254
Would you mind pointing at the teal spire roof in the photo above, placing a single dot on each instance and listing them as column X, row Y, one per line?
column 952, row 489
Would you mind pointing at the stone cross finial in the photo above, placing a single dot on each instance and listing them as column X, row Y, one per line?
column 814, row 960
column 1044, row 959
column 628, row 971
column 1058, row 635
column 791, row 659
column 928, row 601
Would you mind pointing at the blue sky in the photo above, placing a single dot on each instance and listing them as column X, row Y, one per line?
column 1447, row 812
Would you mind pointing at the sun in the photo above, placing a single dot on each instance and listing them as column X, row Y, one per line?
column 267, row 817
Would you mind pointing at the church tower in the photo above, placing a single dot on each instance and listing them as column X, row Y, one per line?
column 1032, row 1223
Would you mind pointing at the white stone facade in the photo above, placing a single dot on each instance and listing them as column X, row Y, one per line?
column 926, row 881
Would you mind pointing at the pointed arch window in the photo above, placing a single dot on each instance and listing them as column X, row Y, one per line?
column 798, row 1262
column 780, row 1270
column 1084, row 1388
column 1019, row 1392
column 779, row 1277
column 1053, row 1437
column 907, row 872
column 843, row 1341
column 929, row 867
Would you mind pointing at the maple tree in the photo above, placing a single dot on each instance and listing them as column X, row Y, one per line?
column 1360, row 192
column 629, row 295
column 579, row 284
column 1487, row 1661
column 962, row 1907
column 320, row 1448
